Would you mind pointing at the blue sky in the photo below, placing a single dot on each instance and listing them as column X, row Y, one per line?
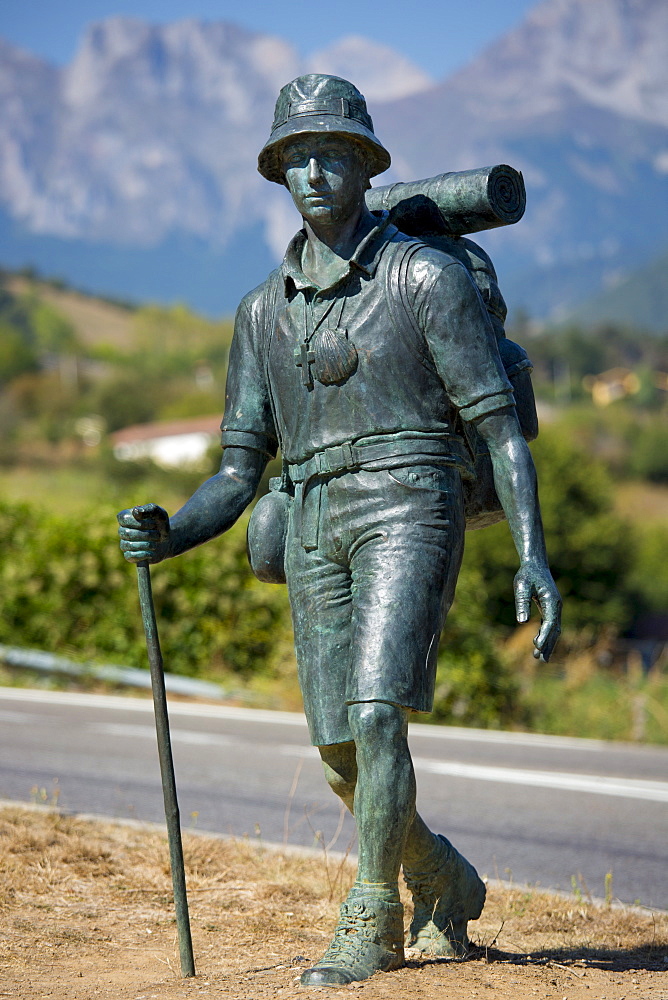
column 438, row 35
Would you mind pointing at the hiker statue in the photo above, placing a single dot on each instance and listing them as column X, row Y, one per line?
column 370, row 359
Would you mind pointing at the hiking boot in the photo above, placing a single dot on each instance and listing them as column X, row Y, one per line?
column 368, row 938
column 444, row 900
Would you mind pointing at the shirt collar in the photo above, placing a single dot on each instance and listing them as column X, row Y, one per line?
column 365, row 259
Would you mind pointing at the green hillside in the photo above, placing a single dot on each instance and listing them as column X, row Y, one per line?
column 93, row 320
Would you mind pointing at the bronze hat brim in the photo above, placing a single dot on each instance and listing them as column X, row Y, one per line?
column 268, row 162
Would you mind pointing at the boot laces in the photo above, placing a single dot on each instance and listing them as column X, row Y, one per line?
column 423, row 890
column 354, row 929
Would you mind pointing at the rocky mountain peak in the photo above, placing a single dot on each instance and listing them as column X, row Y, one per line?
column 191, row 60
column 611, row 54
column 149, row 139
column 381, row 73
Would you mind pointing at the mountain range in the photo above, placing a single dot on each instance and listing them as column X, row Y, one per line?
column 132, row 170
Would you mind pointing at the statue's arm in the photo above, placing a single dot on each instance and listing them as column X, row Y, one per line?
column 463, row 345
column 210, row 511
column 248, row 439
column 515, row 482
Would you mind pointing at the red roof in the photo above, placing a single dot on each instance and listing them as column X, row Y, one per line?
column 167, row 428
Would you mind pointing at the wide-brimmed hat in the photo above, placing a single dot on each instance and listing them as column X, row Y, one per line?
column 320, row 103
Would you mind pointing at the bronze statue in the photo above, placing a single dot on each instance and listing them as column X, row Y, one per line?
column 370, row 359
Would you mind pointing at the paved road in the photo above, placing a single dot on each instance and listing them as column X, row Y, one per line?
column 535, row 809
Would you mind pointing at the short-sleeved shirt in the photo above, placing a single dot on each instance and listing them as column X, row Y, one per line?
column 420, row 362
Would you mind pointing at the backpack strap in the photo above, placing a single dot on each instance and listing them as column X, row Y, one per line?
column 397, row 281
column 269, row 314
column 398, row 270
column 269, row 302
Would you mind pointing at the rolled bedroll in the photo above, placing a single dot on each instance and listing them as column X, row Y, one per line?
column 454, row 204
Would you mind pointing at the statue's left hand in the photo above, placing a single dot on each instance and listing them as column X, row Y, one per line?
column 534, row 581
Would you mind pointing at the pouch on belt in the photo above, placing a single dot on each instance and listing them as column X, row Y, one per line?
column 267, row 531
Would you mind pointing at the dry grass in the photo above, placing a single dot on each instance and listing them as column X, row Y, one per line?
column 85, row 911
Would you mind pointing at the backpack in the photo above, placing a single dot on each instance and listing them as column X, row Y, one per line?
column 482, row 506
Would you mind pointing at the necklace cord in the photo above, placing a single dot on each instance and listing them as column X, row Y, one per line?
column 308, row 337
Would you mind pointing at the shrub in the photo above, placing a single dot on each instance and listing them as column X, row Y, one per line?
column 475, row 685
column 590, row 548
column 67, row 590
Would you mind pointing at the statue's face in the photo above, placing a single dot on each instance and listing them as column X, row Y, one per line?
column 326, row 176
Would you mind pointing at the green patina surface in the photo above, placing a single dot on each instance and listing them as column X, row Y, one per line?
column 372, row 360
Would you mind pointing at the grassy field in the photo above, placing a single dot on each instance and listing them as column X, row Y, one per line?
column 629, row 707
column 78, row 489
column 62, row 487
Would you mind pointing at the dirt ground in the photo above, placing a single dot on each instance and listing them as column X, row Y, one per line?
column 85, row 912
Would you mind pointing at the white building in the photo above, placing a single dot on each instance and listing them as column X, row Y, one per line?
column 169, row 443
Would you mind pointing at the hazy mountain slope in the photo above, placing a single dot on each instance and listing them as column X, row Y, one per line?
column 640, row 299
column 156, row 129
column 29, row 124
column 606, row 53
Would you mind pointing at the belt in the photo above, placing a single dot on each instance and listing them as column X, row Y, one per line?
column 353, row 457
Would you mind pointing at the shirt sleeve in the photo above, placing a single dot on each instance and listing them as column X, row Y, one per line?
column 452, row 317
column 248, row 421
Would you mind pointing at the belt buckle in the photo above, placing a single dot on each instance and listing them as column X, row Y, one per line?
column 336, row 459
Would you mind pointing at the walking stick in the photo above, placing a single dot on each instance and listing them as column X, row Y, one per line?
column 166, row 768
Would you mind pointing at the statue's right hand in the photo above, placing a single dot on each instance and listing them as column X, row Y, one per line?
column 144, row 533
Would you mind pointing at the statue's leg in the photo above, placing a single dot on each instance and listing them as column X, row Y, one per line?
column 340, row 766
column 404, row 573
column 370, row 933
column 446, row 890
column 385, row 792
column 339, row 763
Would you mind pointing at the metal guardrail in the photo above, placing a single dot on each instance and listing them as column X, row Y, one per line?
column 48, row 663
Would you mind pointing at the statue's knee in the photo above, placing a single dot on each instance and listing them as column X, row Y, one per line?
column 340, row 766
column 377, row 723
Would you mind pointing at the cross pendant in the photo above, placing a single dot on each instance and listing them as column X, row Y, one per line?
column 304, row 358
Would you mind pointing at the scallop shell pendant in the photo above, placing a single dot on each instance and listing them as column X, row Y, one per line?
column 335, row 357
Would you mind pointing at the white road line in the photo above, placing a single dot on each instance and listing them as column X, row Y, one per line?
column 506, row 738
column 594, row 784
column 147, row 732
column 114, row 702
column 630, row 788
column 23, row 718
column 233, row 713
column 296, row 751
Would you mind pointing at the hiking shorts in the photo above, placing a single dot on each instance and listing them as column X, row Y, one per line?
column 370, row 596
